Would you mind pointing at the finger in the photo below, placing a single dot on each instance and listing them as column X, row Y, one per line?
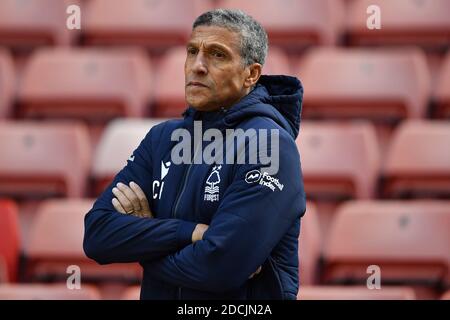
column 118, row 206
column 126, row 204
column 129, row 193
column 141, row 196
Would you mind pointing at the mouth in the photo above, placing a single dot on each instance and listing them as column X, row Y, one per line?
column 196, row 84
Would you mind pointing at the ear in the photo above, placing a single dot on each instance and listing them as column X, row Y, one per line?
column 253, row 73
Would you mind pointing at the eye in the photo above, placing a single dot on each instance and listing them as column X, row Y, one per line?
column 218, row 54
column 191, row 50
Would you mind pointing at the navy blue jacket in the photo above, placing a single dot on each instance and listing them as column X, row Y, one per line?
column 254, row 220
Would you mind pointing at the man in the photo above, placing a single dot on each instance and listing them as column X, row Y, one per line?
column 222, row 229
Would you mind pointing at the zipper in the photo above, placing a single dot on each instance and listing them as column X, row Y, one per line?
column 178, row 198
column 185, row 179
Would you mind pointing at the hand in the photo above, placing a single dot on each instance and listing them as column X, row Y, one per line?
column 198, row 232
column 256, row 272
column 131, row 200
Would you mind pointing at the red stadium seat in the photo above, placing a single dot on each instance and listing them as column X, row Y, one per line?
column 276, row 62
column 409, row 241
column 7, row 84
column 169, row 87
column 310, row 246
column 9, row 240
column 154, row 24
column 43, row 159
column 47, row 292
column 354, row 293
column 119, row 140
column 26, row 24
column 339, row 160
column 384, row 84
column 403, row 22
column 91, row 84
column 56, row 242
column 295, row 24
column 3, row 270
column 418, row 161
column 442, row 91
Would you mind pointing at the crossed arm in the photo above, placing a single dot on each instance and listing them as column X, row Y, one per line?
column 112, row 235
column 131, row 200
column 185, row 253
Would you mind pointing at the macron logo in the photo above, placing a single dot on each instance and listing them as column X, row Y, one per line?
column 165, row 169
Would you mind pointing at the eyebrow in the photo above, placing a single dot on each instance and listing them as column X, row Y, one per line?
column 211, row 45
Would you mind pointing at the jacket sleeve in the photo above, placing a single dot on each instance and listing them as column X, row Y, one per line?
column 250, row 221
column 114, row 237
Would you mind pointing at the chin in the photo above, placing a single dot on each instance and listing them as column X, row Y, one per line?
column 194, row 103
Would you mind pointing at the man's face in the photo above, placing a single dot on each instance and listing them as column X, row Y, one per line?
column 214, row 73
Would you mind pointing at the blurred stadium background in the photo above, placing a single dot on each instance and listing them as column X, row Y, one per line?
column 374, row 141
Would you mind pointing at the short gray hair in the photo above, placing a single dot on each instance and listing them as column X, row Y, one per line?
column 254, row 43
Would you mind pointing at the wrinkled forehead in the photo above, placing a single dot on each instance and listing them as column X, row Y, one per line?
column 215, row 36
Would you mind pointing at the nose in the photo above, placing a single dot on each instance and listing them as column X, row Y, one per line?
column 199, row 64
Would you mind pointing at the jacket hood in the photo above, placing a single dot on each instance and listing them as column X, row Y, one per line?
column 276, row 97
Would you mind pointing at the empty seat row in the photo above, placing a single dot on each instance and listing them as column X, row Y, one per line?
column 323, row 292
column 88, row 292
column 418, row 161
column 381, row 84
column 47, row 292
column 295, row 24
column 355, row 293
column 343, row 161
column 27, row 24
column 384, row 84
column 339, row 160
column 402, row 242
column 43, row 159
column 156, row 25
column 160, row 24
column 99, row 84
column 117, row 144
column 56, row 242
column 55, row 245
column 403, row 22
column 407, row 241
column 90, row 84
column 49, row 159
